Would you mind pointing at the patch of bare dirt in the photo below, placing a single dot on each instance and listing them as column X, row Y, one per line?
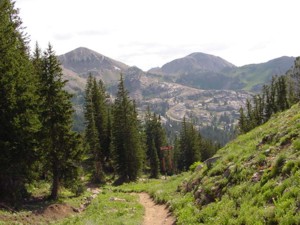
column 38, row 211
column 49, row 214
column 57, row 211
column 155, row 214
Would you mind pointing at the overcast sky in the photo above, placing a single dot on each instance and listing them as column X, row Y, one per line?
column 150, row 33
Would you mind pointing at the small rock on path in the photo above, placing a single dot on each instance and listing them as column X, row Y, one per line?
column 155, row 214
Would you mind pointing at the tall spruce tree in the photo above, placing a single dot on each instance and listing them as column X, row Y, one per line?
column 293, row 76
column 61, row 145
column 19, row 123
column 126, row 137
column 155, row 139
column 94, row 125
column 282, row 98
column 189, row 146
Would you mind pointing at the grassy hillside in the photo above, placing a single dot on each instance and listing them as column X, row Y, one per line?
column 253, row 76
column 256, row 180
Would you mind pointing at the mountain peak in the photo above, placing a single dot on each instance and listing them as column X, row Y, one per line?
column 196, row 61
column 83, row 60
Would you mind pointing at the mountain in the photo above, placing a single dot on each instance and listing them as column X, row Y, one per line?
column 201, row 87
column 83, row 61
column 199, row 70
column 205, row 71
column 194, row 62
column 252, row 180
column 253, row 76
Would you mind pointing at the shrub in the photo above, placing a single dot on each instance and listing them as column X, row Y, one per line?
column 276, row 169
column 296, row 145
column 194, row 166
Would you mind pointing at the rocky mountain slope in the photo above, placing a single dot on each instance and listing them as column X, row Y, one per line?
column 199, row 86
column 83, row 61
column 254, row 179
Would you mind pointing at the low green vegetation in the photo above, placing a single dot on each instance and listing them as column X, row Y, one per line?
column 255, row 180
column 110, row 208
column 165, row 191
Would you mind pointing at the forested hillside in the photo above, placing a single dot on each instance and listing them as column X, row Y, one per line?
column 38, row 143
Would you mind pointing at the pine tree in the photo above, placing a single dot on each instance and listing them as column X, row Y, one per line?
column 258, row 110
column 154, row 161
column 294, row 82
column 242, row 121
column 93, row 119
column 155, row 135
column 282, row 99
column 273, row 95
column 126, row 137
column 268, row 103
column 189, row 146
column 61, row 145
column 19, row 123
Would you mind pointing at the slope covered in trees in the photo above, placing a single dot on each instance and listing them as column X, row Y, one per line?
column 280, row 94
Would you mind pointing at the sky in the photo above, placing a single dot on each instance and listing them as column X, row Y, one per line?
column 150, row 33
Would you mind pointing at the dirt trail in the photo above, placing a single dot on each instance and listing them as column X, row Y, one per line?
column 155, row 214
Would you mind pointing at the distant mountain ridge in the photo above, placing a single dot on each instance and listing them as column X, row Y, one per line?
column 197, row 70
column 204, row 71
column 255, row 75
column 204, row 87
column 196, row 62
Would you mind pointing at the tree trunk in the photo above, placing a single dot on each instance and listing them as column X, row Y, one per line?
column 55, row 183
column 99, row 176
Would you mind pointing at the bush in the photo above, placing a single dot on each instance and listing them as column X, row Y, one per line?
column 296, row 145
column 278, row 165
column 194, row 166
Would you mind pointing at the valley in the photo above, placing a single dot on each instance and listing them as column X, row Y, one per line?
column 205, row 89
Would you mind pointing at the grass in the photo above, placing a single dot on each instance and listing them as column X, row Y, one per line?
column 256, row 180
column 166, row 191
column 110, row 208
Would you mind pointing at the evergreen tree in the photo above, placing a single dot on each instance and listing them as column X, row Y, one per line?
column 273, row 95
column 154, row 161
column 282, row 99
column 189, row 146
column 61, row 145
column 155, row 135
column 19, row 123
column 95, row 117
column 268, row 103
column 126, row 137
column 176, row 155
column 242, row 121
column 258, row 110
column 274, row 98
column 293, row 76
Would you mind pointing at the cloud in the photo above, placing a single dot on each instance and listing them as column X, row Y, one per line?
column 63, row 36
column 259, row 46
column 72, row 35
column 94, row 32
